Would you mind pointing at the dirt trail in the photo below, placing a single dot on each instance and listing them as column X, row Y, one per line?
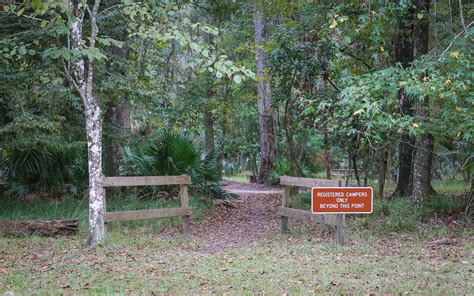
column 250, row 218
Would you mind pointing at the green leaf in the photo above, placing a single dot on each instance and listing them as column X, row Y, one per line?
column 237, row 79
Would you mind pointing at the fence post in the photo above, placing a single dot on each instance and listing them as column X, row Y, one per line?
column 104, row 195
column 340, row 228
column 183, row 190
column 284, row 204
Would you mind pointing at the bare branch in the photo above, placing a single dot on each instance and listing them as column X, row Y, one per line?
column 461, row 15
column 454, row 39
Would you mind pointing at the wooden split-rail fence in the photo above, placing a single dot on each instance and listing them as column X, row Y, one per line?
column 285, row 212
column 337, row 220
column 184, row 211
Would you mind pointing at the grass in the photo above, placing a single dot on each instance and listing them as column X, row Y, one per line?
column 142, row 263
column 390, row 251
column 73, row 208
column 240, row 177
column 447, row 187
column 401, row 214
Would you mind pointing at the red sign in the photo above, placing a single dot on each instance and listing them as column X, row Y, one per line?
column 342, row 200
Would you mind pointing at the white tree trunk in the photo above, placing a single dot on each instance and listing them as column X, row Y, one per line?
column 84, row 84
column 96, row 196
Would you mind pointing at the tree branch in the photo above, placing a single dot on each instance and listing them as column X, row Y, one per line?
column 71, row 80
column 454, row 39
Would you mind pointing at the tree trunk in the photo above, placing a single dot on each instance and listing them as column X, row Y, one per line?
column 404, row 56
column 266, row 118
column 423, row 159
column 209, row 131
column 43, row 228
column 354, row 164
column 84, row 85
column 119, row 118
column 389, row 164
column 405, row 157
column 383, row 165
column 327, row 152
column 368, row 157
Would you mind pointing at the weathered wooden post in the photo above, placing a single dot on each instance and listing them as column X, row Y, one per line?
column 340, row 225
column 340, row 228
column 105, row 206
column 183, row 190
column 284, row 204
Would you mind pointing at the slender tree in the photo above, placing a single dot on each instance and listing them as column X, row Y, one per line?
column 82, row 78
column 266, row 118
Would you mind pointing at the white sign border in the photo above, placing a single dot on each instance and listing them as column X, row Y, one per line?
column 339, row 188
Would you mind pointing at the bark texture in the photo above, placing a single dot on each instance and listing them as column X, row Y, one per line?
column 404, row 56
column 383, row 165
column 423, row 159
column 118, row 116
column 266, row 117
column 209, row 136
column 83, row 80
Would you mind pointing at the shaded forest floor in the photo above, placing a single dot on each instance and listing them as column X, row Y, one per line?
column 236, row 248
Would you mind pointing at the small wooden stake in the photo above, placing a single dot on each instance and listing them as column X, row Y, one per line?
column 185, row 204
column 284, row 204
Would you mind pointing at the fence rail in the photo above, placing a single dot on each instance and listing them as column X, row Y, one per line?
column 146, row 181
column 285, row 212
column 184, row 211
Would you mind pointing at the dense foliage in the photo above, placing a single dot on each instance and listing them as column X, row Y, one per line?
column 334, row 69
column 172, row 154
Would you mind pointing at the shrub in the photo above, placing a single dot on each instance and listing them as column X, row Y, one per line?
column 440, row 204
column 169, row 153
column 50, row 170
column 282, row 167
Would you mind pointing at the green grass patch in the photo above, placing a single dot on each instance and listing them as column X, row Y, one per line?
column 73, row 208
column 240, row 177
column 145, row 264
column 450, row 187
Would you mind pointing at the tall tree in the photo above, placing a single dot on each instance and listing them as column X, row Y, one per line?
column 267, row 126
column 118, row 116
column 82, row 78
column 116, row 87
column 404, row 56
column 423, row 158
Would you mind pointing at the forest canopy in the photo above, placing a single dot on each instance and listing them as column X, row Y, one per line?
column 381, row 90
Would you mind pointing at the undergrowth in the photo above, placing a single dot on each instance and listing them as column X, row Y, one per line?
column 395, row 215
column 73, row 208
